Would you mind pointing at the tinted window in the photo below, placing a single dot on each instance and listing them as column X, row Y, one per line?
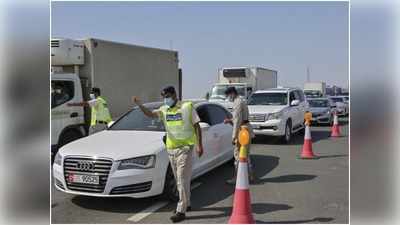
column 268, row 99
column 319, row 103
column 292, row 96
column 301, row 96
column 136, row 120
column 337, row 100
column 216, row 114
column 61, row 92
column 203, row 114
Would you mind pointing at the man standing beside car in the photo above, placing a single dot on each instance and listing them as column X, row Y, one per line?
column 240, row 117
column 181, row 123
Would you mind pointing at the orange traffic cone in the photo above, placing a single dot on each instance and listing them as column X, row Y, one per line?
column 335, row 127
column 241, row 213
column 307, row 152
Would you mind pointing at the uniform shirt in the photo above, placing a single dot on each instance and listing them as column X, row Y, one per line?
column 240, row 113
column 195, row 116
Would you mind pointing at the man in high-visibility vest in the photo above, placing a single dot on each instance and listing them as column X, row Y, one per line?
column 181, row 123
column 100, row 115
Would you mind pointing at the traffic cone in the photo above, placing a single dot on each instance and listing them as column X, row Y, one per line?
column 307, row 152
column 242, row 213
column 335, row 128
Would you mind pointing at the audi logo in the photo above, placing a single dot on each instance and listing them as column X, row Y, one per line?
column 85, row 166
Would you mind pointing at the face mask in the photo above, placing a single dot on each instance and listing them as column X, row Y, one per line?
column 231, row 98
column 92, row 96
column 169, row 102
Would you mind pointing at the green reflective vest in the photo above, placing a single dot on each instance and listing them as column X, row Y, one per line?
column 100, row 112
column 178, row 125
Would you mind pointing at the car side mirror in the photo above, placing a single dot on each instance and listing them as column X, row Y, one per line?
column 204, row 125
column 110, row 123
column 295, row 103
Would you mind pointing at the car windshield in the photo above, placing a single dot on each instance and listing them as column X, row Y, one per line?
column 268, row 99
column 337, row 100
column 136, row 120
column 313, row 94
column 318, row 103
column 218, row 92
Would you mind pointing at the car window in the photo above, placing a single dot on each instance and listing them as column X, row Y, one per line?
column 136, row 120
column 203, row 114
column 301, row 96
column 292, row 97
column 61, row 92
column 216, row 114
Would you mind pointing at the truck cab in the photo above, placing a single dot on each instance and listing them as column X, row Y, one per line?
column 67, row 123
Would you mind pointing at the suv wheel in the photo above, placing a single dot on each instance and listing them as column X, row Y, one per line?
column 170, row 188
column 288, row 133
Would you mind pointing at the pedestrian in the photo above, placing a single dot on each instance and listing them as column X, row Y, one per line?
column 100, row 115
column 181, row 123
column 240, row 117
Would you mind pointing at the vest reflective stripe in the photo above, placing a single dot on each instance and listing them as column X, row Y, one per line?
column 100, row 112
column 178, row 124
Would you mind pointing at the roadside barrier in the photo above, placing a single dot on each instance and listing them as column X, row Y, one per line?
column 335, row 128
column 242, row 212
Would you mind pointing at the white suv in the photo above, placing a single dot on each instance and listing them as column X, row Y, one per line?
column 277, row 112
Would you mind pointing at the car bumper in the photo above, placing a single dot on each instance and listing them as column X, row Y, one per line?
column 136, row 183
column 270, row 127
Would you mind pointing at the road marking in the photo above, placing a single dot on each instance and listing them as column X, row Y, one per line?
column 153, row 208
column 146, row 212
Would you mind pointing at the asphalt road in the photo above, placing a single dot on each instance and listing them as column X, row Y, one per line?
column 289, row 190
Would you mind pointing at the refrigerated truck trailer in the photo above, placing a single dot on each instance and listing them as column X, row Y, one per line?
column 119, row 70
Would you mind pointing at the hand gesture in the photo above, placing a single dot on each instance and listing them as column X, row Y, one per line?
column 136, row 100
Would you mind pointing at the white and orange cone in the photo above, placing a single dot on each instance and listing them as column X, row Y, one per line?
column 335, row 128
column 242, row 213
column 307, row 152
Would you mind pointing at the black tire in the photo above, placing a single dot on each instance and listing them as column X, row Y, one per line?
column 288, row 136
column 170, row 188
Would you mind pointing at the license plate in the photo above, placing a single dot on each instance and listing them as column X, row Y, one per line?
column 83, row 179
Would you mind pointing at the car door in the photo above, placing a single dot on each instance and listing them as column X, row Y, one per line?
column 303, row 106
column 294, row 110
column 207, row 139
column 221, row 133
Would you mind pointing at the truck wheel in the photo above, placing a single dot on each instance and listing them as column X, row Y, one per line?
column 288, row 133
column 170, row 188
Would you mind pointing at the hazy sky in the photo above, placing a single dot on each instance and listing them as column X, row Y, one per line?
column 283, row 36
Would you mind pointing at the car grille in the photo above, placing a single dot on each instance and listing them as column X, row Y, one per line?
column 134, row 188
column 97, row 167
column 316, row 114
column 257, row 117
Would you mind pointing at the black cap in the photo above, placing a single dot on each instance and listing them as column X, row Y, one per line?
column 168, row 90
column 230, row 90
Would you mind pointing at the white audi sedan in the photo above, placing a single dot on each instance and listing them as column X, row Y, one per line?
column 129, row 158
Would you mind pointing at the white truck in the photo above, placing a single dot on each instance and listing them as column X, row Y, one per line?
column 245, row 79
column 119, row 70
column 315, row 89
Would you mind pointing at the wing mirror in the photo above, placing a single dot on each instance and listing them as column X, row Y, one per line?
column 295, row 103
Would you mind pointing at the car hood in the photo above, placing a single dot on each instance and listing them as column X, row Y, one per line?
column 116, row 145
column 265, row 108
column 318, row 109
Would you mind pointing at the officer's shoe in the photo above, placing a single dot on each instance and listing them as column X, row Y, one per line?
column 188, row 209
column 177, row 217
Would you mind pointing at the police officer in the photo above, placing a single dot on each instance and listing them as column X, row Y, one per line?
column 183, row 132
column 240, row 117
column 100, row 115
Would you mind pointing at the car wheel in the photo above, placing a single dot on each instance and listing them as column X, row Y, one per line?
column 288, row 133
column 170, row 188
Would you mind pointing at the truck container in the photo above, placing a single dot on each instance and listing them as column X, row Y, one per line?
column 314, row 89
column 119, row 70
column 245, row 79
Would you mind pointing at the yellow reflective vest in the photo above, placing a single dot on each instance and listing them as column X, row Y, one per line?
column 178, row 125
column 100, row 112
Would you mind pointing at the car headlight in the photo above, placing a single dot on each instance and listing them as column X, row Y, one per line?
column 143, row 162
column 58, row 159
column 328, row 112
column 275, row 116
